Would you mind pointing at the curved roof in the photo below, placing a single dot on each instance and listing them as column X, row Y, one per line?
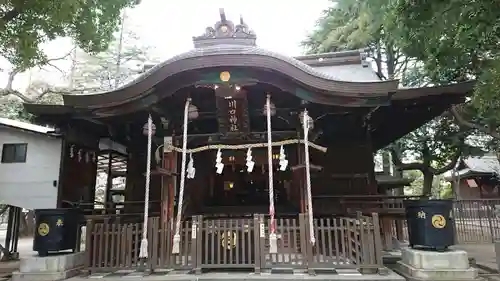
column 234, row 56
column 341, row 78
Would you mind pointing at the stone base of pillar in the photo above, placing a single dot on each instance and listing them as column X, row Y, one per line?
column 50, row 268
column 422, row 265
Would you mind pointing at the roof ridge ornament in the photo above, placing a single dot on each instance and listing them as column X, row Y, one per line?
column 224, row 32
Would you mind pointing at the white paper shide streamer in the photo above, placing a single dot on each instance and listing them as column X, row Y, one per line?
column 305, row 124
column 218, row 162
column 177, row 236
column 191, row 170
column 143, row 251
column 283, row 161
column 250, row 163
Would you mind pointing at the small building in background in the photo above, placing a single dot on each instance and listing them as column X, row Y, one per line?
column 476, row 177
column 29, row 165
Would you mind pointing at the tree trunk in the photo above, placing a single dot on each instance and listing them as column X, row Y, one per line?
column 427, row 185
column 27, row 227
column 391, row 60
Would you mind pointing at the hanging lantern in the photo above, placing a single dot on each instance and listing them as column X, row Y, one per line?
column 193, row 112
column 271, row 106
column 310, row 123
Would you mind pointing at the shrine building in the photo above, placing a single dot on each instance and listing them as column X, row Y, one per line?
column 232, row 156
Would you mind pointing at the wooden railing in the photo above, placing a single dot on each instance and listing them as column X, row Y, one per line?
column 367, row 204
column 224, row 243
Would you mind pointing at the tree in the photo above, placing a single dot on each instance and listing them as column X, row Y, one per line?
column 434, row 149
column 26, row 25
column 457, row 40
column 357, row 24
column 349, row 24
column 440, row 187
column 122, row 61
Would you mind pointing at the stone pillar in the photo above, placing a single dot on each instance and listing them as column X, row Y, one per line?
column 452, row 265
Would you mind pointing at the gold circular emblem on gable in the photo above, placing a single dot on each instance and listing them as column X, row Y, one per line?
column 223, row 28
column 43, row 229
column 438, row 221
column 225, row 76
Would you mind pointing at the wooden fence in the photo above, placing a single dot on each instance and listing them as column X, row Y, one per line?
column 228, row 243
column 476, row 221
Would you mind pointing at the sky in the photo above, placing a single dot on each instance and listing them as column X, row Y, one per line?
column 169, row 26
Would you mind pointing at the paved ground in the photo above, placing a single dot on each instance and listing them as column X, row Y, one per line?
column 484, row 254
column 25, row 246
column 234, row 276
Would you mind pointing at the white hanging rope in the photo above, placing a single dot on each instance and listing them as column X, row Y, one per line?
column 273, row 243
column 143, row 251
column 177, row 236
column 308, row 177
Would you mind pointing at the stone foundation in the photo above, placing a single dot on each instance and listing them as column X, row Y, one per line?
column 50, row 268
column 452, row 265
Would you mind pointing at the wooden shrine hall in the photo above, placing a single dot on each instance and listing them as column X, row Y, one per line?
column 233, row 156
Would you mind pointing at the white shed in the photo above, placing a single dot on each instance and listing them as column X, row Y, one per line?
column 29, row 166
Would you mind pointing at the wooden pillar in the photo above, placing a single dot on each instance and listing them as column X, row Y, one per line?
column 135, row 184
column 298, row 175
column 301, row 174
column 371, row 181
column 169, row 182
column 109, row 181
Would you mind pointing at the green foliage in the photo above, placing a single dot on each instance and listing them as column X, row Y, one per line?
column 456, row 40
column 486, row 100
column 92, row 73
column 343, row 26
column 26, row 25
column 120, row 63
column 404, row 51
column 437, row 142
column 356, row 24
column 350, row 24
column 440, row 187
column 12, row 108
column 453, row 38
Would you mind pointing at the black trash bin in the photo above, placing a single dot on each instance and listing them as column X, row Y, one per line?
column 430, row 224
column 56, row 230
